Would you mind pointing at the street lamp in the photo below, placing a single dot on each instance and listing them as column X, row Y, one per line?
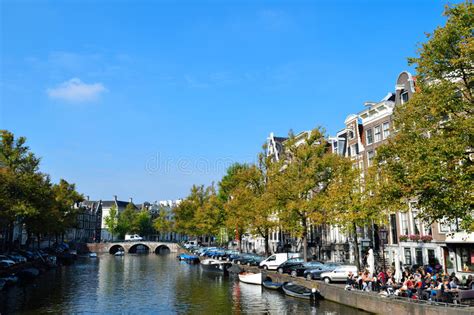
column 383, row 239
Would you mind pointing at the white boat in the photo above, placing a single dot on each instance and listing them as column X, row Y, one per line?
column 93, row 255
column 215, row 265
column 251, row 277
column 120, row 253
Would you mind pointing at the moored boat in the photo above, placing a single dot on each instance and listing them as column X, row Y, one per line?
column 251, row 277
column 188, row 258
column 119, row 253
column 269, row 284
column 215, row 265
column 93, row 255
column 300, row 291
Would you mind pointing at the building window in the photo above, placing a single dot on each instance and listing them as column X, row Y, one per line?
column 416, row 222
column 369, row 136
column 407, row 256
column 404, row 221
column 419, row 256
column 467, row 259
column 378, row 133
column 404, row 97
column 354, row 150
column 386, row 130
column 431, row 257
column 393, row 228
column 370, row 157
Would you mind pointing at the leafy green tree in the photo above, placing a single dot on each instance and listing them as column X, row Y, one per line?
column 143, row 224
column 126, row 220
column 111, row 221
column 299, row 186
column 163, row 222
column 66, row 205
column 235, row 200
column 429, row 159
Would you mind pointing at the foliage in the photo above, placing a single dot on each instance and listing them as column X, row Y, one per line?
column 27, row 196
column 126, row 220
column 429, row 159
column 163, row 222
column 300, row 184
column 143, row 224
column 111, row 221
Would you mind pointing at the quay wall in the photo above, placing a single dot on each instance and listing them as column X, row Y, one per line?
column 369, row 302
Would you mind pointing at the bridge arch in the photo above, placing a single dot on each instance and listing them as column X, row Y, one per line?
column 139, row 248
column 162, row 250
column 115, row 248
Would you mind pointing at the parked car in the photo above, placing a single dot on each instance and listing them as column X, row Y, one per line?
column 285, row 267
column 274, row 261
column 315, row 273
column 6, row 263
column 252, row 260
column 339, row 274
column 133, row 237
column 17, row 258
column 298, row 270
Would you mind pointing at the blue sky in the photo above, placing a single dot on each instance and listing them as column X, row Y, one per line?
column 143, row 99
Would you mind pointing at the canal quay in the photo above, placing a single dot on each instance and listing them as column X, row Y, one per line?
column 150, row 284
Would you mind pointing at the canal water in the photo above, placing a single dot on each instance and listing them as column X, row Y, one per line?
column 149, row 284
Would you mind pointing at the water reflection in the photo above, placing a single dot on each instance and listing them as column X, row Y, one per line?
column 149, row 284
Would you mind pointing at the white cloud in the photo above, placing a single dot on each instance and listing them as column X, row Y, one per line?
column 76, row 91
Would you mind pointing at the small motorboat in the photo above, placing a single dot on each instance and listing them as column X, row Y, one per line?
column 269, row 284
column 299, row 291
column 93, row 255
column 119, row 253
column 251, row 277
column 215, row 265
column 188, row 258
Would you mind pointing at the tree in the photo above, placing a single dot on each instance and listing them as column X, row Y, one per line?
column 143, row 224
column 252, row 204
column 126, row 220
column 235, row 201
column 22, row 186
column 429, row 159
column 301, row 181
column 163, row 222
column 355, row 199
column 111, row 221
column 66, row 198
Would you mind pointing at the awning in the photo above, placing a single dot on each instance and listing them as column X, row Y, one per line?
column 460, row 237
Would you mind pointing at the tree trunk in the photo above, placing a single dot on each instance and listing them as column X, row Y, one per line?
column 267, row 247
column 356, row 246
column 304, row 239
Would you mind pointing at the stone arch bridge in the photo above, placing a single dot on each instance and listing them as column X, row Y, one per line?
column 134, row 247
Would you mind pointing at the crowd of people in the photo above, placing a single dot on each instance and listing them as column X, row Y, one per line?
column 424, row 283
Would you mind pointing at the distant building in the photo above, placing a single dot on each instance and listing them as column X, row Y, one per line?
column 106, row 205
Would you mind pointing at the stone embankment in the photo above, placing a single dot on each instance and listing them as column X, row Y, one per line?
column 369, row 302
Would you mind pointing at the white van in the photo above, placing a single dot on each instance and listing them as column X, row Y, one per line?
column 276, row 260
column 133, row 237
column 190, row 244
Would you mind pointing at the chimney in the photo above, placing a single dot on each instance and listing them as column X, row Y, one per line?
column 115, row 197
column 130, row 200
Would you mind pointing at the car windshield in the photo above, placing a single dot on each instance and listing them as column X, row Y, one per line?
column 294, row 260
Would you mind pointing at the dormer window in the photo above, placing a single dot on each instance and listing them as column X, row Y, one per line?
column 404, row 97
